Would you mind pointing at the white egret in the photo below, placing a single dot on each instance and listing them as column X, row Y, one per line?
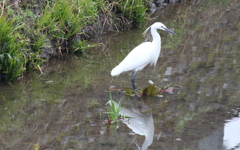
column 142, row 55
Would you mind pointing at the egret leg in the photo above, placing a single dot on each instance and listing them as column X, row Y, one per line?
column 133, row 80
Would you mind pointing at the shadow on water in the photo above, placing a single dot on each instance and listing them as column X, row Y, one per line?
column 65, row 107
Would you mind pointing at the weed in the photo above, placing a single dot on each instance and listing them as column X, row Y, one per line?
column 65, row 19
column 12, row 62
column 113, row 110
column 61, row 21
column 133, row 10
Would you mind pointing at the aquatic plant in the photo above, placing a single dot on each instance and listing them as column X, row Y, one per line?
column 113, row 110
column 150, row 90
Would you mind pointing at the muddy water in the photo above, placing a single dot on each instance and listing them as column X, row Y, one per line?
column 65, row 107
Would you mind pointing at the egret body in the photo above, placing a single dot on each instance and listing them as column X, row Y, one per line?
column 142, row 55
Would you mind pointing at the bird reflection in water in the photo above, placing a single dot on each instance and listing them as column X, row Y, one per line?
column 140, row 123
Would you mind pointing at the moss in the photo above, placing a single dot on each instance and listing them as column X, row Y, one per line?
column 210, row 60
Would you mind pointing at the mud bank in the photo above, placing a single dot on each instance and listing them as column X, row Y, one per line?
column 34, row 31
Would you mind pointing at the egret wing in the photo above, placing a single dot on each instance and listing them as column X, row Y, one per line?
column 138, row 58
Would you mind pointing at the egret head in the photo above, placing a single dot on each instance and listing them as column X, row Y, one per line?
column 158, row 25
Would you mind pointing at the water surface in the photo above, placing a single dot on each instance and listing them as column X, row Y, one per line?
column 65, row 108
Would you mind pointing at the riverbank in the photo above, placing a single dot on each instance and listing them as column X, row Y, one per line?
column 33, row 31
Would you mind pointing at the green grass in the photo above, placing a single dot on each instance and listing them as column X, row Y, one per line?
column 58, row 23
column 133, row 10
column 113, row 110
column 12, row 62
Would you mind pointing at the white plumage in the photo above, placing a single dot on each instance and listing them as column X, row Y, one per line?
column 142, row 55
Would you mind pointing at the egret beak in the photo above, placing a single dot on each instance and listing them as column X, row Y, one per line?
column 166, row 29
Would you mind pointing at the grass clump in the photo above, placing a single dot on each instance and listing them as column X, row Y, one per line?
column 133, row 10
column 113, row 110
column 63, row 20
column 34, row 26
column 12, row 61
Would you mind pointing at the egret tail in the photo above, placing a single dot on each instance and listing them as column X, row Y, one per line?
column 116, row 71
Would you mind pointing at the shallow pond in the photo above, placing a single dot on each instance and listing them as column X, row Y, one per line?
column 65, row 108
